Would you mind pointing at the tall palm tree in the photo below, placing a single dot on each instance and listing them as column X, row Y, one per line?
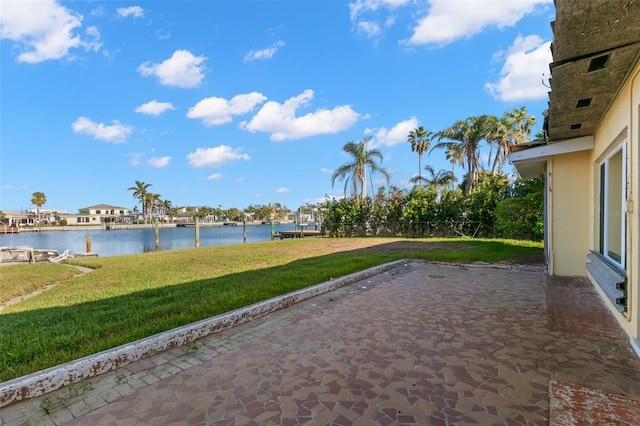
column 38, row 199
column 512, row 128
column 355, row 171
column 140, row 192
column 467, row 134
column 152, row 202
column 522, row 123
column 500, row 134
column 166, row 207
column 453, row 153
column 420, row 140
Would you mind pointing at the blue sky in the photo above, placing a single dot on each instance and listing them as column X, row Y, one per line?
column 237, row 103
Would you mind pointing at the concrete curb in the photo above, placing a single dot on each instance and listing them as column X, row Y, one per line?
column 54, row 378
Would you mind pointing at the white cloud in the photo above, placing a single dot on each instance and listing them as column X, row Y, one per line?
column 316, row 200
column 135, row 11
column 281, row 120
column 115, row 133
column 448, row 21
column 11, row 187
column 282, row 190
column 154, row 107
column 263, row 54
column 521, row 76
column 370, row 28
column 159, row 161
column 135, row 158
column 215, row 157
column 98, row 11
column 372, row 25
column 162, row 34
column 214, row 176
column 183, row 70
column 44, row 29
column 397, row 134
column 325, row 170
column 359, row 7
column 214, row 111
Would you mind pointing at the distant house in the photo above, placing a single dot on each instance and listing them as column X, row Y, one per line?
column 18, row 219
column 590, row 157
column 101, row 214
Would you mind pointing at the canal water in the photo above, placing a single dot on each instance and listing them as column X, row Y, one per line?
column 132, row 241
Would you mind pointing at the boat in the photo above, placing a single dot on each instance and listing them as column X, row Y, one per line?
column 60, row 258
column 25, row 254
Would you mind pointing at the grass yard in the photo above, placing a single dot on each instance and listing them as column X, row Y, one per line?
column 125, row 298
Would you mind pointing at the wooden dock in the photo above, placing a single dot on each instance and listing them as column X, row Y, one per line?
column 9, row 230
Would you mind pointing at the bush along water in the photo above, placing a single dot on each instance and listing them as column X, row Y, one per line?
column 496, row 208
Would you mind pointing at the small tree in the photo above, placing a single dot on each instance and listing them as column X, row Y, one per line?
column 354, row 173
column 38, row 199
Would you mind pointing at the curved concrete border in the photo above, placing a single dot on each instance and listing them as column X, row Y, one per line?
column 54, row 378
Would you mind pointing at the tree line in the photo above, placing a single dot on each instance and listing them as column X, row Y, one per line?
column 485, row 203
column 154, row 206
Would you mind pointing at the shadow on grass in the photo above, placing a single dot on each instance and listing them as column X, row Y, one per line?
column 33, row 340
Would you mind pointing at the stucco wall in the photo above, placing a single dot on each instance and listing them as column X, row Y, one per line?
column 571, row 215
column 621, row 125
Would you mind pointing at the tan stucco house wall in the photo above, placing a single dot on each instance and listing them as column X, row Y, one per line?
column 619, row 127
column 590, row 153
column 569, row 205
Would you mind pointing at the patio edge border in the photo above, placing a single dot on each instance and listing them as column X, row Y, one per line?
column 54, row 378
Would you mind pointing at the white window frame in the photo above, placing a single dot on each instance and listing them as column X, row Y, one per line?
column 604, row 232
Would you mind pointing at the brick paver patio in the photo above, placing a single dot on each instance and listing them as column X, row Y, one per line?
column 426, row 344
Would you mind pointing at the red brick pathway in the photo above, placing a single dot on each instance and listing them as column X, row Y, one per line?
column 424, row 344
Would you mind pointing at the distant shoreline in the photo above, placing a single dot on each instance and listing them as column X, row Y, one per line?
column 121, row 226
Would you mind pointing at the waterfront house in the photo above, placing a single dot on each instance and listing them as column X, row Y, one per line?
column 17, row 219
column 102, row 214
column 590, row 156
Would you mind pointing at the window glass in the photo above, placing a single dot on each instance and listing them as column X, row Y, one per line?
column 613, row 184
column 613, row 218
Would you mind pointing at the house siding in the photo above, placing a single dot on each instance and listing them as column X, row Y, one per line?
column 569, row 182
column 619, row 125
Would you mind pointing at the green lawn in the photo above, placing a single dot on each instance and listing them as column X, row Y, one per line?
column 126, row 298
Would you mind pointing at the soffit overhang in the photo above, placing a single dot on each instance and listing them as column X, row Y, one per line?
column 586, row 32
column 531, row 162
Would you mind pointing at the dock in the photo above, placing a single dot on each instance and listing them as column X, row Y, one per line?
column 9, row 230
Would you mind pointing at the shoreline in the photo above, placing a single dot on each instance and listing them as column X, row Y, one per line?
column 122, row 226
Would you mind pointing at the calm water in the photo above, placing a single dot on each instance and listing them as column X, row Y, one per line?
column 131, row 241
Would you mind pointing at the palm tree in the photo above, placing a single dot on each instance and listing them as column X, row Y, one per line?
column 420, row 139
column 152, row 202
column 38, row 199
column 453, row 153
column 467, row 134
column 512, row 128
column 437, row 180
column 522, row 123
column 140, row 192
column 166, row 207
column 355, row 172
